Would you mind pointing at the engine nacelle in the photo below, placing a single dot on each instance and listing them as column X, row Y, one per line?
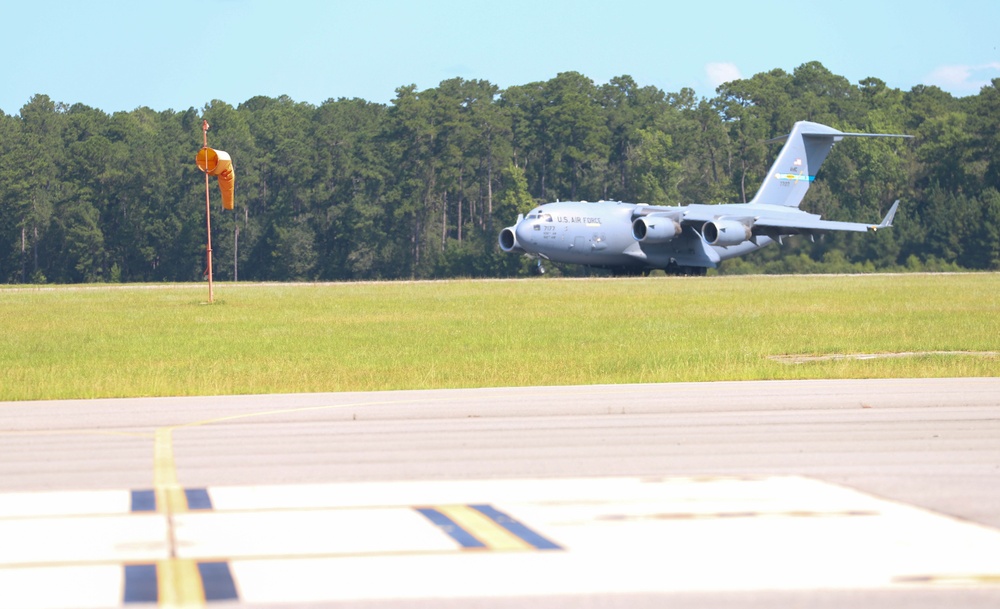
column 655, row 229
column 508, row 240
column 726, row 232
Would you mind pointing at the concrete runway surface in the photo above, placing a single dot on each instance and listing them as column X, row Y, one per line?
column 867, row 493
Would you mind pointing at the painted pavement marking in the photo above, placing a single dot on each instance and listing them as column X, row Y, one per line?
column 485, row 527
column 468, row 539
column 144, row 500
column 202, row 582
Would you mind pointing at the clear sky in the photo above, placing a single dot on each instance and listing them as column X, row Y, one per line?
column 118, row 55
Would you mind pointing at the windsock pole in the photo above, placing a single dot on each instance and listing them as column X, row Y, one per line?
column 208, row 220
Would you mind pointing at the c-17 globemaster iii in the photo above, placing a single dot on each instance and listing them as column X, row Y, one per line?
column 632, row 238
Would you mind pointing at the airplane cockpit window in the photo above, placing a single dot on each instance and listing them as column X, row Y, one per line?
column 538, row 215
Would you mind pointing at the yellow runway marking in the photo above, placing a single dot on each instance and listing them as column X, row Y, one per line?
column 483, row 528
column 180, row 583
column 170, row 497
column 165, row 480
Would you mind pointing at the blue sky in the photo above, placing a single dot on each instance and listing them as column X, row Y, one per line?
column 117, row 55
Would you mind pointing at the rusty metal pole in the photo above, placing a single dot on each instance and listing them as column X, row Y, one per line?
column 208, row 219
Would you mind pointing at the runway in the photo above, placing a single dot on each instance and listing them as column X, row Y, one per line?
column 819, row 493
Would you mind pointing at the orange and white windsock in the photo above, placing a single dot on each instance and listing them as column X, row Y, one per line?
column 217, row 163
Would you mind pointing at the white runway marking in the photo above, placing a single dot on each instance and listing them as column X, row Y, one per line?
column 330, row 542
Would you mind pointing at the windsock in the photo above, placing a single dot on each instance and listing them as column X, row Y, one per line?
column 217, row 163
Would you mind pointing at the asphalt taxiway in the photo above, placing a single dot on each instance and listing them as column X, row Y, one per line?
column 750, row 494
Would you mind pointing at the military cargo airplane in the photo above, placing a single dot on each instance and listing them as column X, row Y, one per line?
column 633, row 238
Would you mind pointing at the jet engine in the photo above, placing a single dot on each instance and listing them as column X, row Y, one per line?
column 508, row 240
column 655, row 229
column 726, row 232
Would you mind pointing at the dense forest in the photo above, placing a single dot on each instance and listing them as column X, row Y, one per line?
column 420, row 187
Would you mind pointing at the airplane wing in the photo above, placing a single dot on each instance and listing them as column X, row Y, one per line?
column 766, row 222
column 809, row 223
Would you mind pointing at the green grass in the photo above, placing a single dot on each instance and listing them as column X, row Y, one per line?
column 164, row 340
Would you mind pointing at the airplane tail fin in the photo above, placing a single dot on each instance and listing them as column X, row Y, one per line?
column 805, row 149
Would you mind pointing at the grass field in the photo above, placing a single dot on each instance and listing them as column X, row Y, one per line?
column 68, row 342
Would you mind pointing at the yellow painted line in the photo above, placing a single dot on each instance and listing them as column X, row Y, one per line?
column 170, row 497
column 483, row 528
column 584, row 391
column 179, row 583
column 265, row 413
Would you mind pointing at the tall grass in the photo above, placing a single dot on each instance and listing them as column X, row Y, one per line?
column 139, row 341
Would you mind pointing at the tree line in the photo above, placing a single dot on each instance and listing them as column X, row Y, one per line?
column 420, row 187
